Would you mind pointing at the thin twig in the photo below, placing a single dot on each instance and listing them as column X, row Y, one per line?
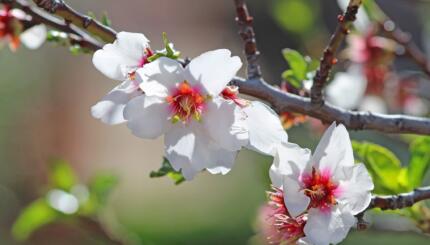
column 401, row 37
column 405, row 39
column 328, row 59
column 246, row 31
column 400, row 201
column 61, row 9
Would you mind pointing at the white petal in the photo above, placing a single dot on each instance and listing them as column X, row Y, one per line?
column 373, row 104
column 333, row 151
column 348, row 88
column 265, row 129
column 224, row 161
column 147, row 116
column 355, row 190
column 34, row 37
column 110, row 109
column 18, row 13
column 294, row 198
column 290, row 159
column 213, row 70
column 415, row 106
column 189, row 150
column 226, row 124
column 127, row 51
column 160, row 76
column 324, row 228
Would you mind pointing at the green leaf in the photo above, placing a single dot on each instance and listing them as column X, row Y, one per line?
column 312, row 64
column 373, row 11
column 168, row 51
column 155, row 57
column 36, row 215
column 105, row 19
column 419, row 162
column 76, row 49
column 383, row 166
column 297, row 63
column 61, row 175
column 288, row 76
column 102, row 185
column 92, row 15
column 167, row 170
column 57, row 37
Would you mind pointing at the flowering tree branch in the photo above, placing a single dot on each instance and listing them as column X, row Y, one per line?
column 255, row 86
column 400, row 201
column 328, row 59
column 355, row 120
column 401, row 37
column 246, row 31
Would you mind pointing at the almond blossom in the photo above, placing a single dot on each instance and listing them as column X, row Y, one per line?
column 204, row 126
column 13, row 31
column 277, row 225
column 119, row 61
column 327, row 186
column 348, row 90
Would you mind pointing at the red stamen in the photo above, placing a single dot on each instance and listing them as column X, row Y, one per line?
column 230, row 93
column 186, row 102
column 321, row 189
column 283, row 229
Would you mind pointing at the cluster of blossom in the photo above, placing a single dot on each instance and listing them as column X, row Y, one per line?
column 203, row 121
column 370, row 84
column 14, row 29
column 205, row 124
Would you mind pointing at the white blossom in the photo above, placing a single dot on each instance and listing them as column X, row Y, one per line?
column 328, row 185
column 347, row 88
column 202, row 128
column 119, row 61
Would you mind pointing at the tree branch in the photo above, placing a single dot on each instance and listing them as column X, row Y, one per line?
column 355, row 120
column 400, row 201
column 328, row 59
column 61, row 9
column 246, row 31
column 282, row 102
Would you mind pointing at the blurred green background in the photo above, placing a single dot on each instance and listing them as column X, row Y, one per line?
column 45, row 99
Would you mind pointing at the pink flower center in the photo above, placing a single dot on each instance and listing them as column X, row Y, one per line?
column 286, row 229
column 144, row 60
column 186, row 102
column 320, row 189
column 230, row 93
